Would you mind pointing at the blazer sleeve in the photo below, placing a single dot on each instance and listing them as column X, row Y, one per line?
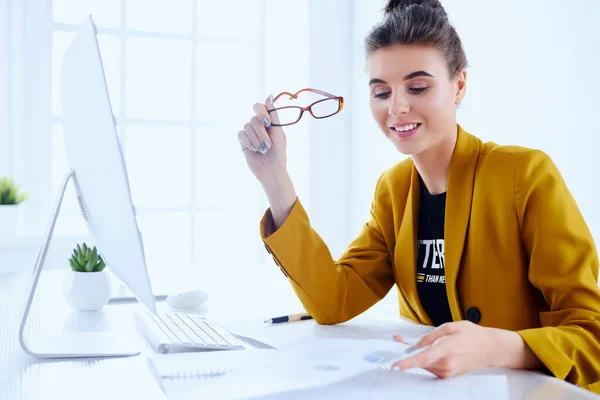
column 563, row 265
column 331, row 291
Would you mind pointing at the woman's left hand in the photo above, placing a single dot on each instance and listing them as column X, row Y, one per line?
column 461, row 347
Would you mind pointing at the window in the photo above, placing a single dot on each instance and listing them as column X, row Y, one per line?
column 182, row 79
column 5, row 91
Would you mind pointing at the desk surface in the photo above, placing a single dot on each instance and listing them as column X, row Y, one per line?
column 24, row 377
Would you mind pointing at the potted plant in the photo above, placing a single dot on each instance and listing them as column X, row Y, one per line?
column 86, row 286
column 10, row 198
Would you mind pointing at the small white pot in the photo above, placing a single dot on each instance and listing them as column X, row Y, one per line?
column 87, row 291
column 8, row 220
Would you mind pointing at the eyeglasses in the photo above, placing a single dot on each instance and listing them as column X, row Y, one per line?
column 289, row 115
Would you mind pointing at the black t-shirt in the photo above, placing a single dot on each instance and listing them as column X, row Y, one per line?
column 431, row 280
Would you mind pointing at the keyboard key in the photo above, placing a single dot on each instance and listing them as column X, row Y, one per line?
column 194, row 330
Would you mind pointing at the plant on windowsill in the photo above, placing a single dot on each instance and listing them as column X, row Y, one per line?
column 10, row 198
column 86, row 286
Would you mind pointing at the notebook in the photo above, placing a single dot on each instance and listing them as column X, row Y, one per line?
column 204, row 364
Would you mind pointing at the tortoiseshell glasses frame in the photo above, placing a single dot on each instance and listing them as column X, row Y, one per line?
column 329, row 98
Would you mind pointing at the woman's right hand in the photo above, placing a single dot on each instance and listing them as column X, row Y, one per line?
column 264, row 146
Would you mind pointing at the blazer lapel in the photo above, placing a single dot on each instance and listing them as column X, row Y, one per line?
column 458, row 211
column 406, row 250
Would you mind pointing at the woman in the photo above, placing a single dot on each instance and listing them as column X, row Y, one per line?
column 483, row 241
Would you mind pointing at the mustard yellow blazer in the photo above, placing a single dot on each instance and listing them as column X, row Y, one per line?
column 518, row 255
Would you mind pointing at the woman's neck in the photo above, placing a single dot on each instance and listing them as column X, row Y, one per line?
column 434, row 164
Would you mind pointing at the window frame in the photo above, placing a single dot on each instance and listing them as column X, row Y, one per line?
column 32, row 157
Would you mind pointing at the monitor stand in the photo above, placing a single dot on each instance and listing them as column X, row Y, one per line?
column 71, row 344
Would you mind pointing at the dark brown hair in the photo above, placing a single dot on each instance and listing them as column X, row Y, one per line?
column 418, row 22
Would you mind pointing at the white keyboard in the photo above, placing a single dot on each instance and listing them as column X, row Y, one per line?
column 174, row 331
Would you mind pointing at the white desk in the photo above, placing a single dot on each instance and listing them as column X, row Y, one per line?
column 23, row 377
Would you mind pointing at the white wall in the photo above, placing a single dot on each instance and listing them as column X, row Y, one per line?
column 330, row 33
column 533, row 80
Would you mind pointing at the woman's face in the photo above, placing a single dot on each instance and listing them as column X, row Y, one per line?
column 412, row 97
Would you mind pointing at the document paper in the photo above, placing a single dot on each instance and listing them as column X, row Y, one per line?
column 386, row 385
column 308, row 362
column 313, row 364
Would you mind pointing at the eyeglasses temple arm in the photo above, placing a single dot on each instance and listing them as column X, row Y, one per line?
column 316, row 91
column 292, row 96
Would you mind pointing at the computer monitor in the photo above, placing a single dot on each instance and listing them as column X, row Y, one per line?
column 100, row 178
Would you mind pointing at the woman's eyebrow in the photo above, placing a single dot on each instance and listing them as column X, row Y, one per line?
column 376, row 80
column 407, row 77
column 417, row 73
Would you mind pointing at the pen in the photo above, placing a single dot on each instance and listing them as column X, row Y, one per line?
column 411, row 348
column 288, row 318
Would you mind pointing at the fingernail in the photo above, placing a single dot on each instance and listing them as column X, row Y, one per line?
column 266, row 145
column 396, row 368
column 271, row 99
column 266, row 122
column 253, row 148
column 398, row 338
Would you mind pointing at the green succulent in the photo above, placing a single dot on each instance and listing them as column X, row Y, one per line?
column 10, row 193
column 85, row 259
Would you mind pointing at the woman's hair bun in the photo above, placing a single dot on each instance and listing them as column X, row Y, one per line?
column 404, row 4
